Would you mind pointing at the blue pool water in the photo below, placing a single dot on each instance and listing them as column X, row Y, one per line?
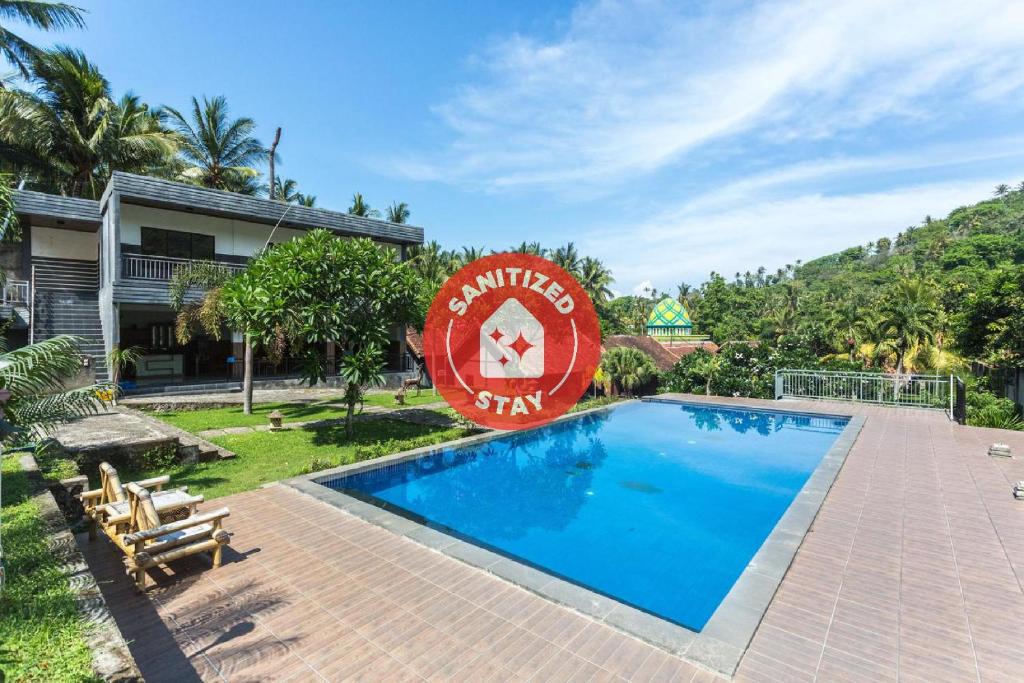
column 658, row 505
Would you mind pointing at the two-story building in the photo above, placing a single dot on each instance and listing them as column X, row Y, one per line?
column 100, row 270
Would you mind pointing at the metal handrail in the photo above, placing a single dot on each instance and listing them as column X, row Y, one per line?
column 922, row 391
column 14, row 292
column 32, row 307
column 163, row 268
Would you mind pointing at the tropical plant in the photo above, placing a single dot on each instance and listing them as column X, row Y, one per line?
column 398, row 212
column 306, row 200
column 287, row 190
column 207, row 312
column 218, row 151
column 39, row 14
column 35, row 377
column 361, row 208
column 361, row 369
column 850, row 325
column 119, row 360
column 628, row 369
column 69, row 135
column 1002, row 189
column 706, row 366
column 907, row 318
column 568, row 258
column 595, row 280
column 467, row 256
column 318, row 289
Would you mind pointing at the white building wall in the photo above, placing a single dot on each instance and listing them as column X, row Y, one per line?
column 231, row 237
column 70, row 244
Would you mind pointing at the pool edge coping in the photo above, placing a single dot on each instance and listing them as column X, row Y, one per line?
column 723, row 641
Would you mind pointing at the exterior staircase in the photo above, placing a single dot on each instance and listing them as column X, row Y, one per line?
column 66, row 301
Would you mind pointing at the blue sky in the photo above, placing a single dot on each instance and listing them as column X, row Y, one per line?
column 669, row 139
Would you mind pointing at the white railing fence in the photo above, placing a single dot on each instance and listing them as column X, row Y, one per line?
column 163, row 268
column 922, row 391
column 15, row 293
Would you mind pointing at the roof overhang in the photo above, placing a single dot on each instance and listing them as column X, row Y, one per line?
column 56, row 211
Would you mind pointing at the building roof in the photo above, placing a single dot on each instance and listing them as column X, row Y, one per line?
column 663, row 359
column 28, row 202
column 669, row 313
column 414, row 342
column 160, row 193
column 684, row 348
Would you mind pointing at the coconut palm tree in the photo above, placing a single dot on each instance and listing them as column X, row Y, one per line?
column 1002, row 189
column 69, row 134
column 908, row 317
column 361, row 208
column 595, row 280
column 568, row 258
column 47, row 16
column 849, row 324
column 398, row 212
column 705, row 367
column 306, row 200
column 218, row 151
column 433, row 263
column 287, row 191
column 468, row 255
column 533, row 248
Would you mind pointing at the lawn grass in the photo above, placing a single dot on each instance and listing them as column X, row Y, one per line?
column 387, row 399
column 195, row 421
column 269, row 456
column 218, row 418
column 41, row 631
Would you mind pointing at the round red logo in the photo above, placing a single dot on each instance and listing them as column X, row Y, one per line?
column 512, row 341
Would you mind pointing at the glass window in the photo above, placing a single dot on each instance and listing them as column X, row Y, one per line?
column 177, row 244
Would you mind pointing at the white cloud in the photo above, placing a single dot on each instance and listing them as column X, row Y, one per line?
column 687, row 244
column 633, row 87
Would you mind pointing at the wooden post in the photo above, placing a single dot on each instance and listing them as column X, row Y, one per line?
column 273, row 151
column 247, row 378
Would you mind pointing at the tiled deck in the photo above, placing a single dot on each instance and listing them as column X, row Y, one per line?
column 911, row 571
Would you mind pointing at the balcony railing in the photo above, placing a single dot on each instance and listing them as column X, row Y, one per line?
column 922, row 391
column 162, row 268
column 15, row 293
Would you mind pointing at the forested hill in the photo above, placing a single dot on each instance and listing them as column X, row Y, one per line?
column 958, row 280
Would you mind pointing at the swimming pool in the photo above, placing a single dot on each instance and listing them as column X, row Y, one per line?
column 658, row 505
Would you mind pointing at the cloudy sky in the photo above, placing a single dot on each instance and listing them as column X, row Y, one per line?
column 669, row 139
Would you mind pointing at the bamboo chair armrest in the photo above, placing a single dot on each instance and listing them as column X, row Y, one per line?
column 111, row 518
column 154, row 481
column 195, row 520
column 89, row 495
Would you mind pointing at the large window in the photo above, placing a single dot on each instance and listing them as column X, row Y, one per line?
column 176, row 244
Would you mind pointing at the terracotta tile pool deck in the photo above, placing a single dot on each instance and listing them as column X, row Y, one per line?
column 911, row 571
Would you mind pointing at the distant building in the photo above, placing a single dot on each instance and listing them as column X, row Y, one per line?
column 669, row 336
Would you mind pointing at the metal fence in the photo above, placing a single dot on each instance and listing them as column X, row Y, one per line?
column 922, row 391
column 163, row 268
column 15, row 293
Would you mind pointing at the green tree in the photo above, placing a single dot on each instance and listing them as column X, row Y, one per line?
column 287, row 190
column 849, row 324
column 69, row 135
column 361, row 208
column 629, row 369
column 119, row 360
column 595, row 280
column 40, row 14
column 533, row 248
column 706, row 366
column 319, row 289
column 218, row 151
column 568, row 258
column 398, row 212
column 908, row 317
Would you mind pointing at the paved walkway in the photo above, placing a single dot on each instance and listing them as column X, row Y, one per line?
column 911, row 571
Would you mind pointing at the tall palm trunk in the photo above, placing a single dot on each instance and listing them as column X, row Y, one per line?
column 247, row 378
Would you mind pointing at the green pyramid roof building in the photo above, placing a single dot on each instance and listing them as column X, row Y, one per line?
column 668, row 319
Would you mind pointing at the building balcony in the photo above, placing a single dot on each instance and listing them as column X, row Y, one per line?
column 162, row 268
column 15, row 293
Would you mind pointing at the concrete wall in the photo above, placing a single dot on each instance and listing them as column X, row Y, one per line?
column 71, row 244
column 232, row 237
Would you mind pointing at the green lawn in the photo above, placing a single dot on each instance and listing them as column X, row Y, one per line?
column 218, row 418
column 387, row 399
column 269, row 456
column 41, row 632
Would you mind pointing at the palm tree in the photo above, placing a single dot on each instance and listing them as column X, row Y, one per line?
column 398, row 212
column 468, row 255
column 306, row 200
column 568, row 258
column 219, row 152
column 533, row 248
column 595, row 279
column 433, row 263
column 705, row 367
column 849, row 323
column 287, row 191
column 47, row 16
column 908, row 318
column 628, row 368
column 361, row 208
column 69, row 135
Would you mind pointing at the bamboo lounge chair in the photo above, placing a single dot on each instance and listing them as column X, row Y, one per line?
column 152, row 543
column 107, row 507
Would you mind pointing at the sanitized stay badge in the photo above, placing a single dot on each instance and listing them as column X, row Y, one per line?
column 512, row 341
